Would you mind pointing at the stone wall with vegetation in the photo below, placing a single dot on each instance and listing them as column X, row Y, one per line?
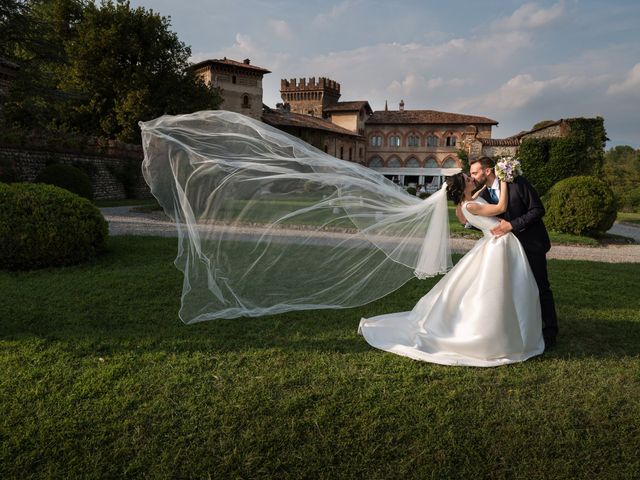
column 113, row 176
column 546, row 161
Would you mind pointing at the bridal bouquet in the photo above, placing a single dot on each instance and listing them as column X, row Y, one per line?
column 508, row 168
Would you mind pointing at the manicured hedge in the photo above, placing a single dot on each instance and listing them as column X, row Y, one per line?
column 580, row 205
column 47, row 226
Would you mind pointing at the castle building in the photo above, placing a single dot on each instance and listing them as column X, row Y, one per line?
column 491, row 147
column 240, row 82
column 410, row 147
column 338, row 126
column 419, row 147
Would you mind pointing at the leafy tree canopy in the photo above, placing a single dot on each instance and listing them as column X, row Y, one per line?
column 99, row 68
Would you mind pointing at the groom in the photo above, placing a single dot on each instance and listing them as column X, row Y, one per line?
column 524, row 218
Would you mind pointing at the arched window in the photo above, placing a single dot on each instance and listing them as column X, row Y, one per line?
column 394, row 141
column 449, row 163
column 431, row 163
column 245, row 101
column 450, row 141
column 375, row 162
column 412, row 163
column 432, row 141
column 413, row 141
column 376, row 140
column 394, row 162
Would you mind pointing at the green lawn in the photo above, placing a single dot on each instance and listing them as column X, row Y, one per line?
column 271, row 209
column 101, row 380
column 150, row 203
column 627, row 217
column 557, row 238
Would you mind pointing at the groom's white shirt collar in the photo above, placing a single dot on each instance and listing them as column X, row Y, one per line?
column 496, row 184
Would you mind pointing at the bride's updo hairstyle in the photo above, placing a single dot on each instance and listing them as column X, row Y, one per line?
column 455, row 187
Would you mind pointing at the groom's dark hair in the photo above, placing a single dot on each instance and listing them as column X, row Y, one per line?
column 485, row 162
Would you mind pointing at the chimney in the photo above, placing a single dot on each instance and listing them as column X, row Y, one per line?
column 402, row 105
column 246, row 61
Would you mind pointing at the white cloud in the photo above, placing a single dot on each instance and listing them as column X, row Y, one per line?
column 630, row 85
column 530, row 16
column 336, row 11
column 523, row 89
column 281, row 29
column 245, row 47
column 414, row 83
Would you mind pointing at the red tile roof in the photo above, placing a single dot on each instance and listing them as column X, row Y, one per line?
column 232, row 63
column 349, row 106
column 425, row 117
column 278, row 118
column 500, row 142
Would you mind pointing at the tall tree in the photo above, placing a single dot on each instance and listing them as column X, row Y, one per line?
column 622, row 171
column 97, row 68
column 132, row 67
column 37, row 43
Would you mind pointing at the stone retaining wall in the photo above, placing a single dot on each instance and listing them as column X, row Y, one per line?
column 105, row 171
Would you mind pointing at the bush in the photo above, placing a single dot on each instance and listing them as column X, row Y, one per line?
column 46, row 226
column 632, row 200
column 424, row 195
column 411, row 190
column 580, row 205
column 67, row 177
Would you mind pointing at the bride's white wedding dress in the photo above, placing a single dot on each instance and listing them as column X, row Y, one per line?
column 485, row 312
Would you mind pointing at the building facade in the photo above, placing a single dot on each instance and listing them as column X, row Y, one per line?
column 344, row 122
column 240, row 83
column 410, row 147
column 492, row 147
column 319, row 132
column 419, row 147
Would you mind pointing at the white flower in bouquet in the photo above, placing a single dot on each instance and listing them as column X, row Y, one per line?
column 508, row 168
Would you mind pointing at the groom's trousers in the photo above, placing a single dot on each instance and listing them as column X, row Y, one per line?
column 538, row 263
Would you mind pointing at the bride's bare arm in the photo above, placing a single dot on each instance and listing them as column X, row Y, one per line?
column 491, row 210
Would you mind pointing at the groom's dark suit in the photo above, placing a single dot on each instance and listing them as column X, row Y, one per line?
column 525, row 212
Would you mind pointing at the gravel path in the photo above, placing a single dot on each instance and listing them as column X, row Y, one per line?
column 122, row 221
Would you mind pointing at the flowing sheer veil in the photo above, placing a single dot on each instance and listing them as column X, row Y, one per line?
column 267, row 223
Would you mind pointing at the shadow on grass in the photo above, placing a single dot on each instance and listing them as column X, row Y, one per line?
column 127, row 302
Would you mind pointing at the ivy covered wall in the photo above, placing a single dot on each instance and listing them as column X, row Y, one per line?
column 546, row 161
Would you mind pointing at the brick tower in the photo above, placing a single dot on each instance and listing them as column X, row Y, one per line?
column 310, row 97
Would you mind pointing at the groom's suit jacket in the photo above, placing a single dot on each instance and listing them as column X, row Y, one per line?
column 525, row 212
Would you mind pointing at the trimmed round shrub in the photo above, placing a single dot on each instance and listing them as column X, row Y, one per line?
column 411, row 190
column 580, row 205
column 67, row 177
column 46, row 226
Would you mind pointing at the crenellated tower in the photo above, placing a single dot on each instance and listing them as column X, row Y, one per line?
column 310, row 97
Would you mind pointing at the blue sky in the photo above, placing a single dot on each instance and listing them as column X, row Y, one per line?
column 515, row 62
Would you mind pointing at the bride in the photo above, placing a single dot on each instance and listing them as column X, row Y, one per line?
column 485, row 312
column 269, row 224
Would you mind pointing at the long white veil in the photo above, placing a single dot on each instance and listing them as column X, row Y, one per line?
column 267, row 223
